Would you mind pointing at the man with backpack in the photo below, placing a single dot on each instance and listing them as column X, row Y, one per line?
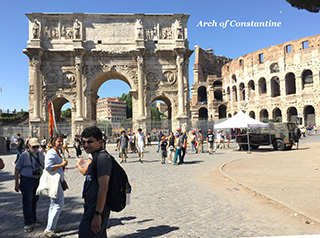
column 96, row 211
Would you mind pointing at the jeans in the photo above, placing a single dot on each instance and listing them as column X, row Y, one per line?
column 28, row 187
column 178, row 153
column 158, row 145
column 192, row 146
column 55, row 208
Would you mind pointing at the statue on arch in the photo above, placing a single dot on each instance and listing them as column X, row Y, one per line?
column 36, row 29
column 76, row 29
column 139, row 29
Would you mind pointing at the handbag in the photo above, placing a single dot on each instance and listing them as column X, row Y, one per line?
column 64, row 185
column 49, row 184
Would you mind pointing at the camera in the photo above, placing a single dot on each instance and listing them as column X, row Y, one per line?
column 37, row 172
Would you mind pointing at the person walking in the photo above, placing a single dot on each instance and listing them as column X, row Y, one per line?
column 171, row 148
column 20, row 146
column 77, row 145
column 123, row 146
column 163, row 149
column 228, row 140
column 27, row 175
column 200, row 141
column 210, row 140
column 43, row 144
column 55, row 163
column 140, row 141
column 96, row 211
column 193, row 139
column 177, row 147
column 8, row 142
column 65, row 147
column 159, row 140
column 184, row 147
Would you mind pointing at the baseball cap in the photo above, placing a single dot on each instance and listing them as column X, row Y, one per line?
column 179, row 129
column 163, row 137
column 34, row 142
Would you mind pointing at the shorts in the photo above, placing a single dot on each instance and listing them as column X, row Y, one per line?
column 140, row 148
column 163, row 153
column 210, row 144
column 124, row 151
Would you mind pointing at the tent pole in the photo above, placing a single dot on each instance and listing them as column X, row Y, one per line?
column 249, row 152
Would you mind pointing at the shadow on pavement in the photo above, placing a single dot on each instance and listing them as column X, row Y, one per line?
column 5, row 176
column 193, row 162
column 118, row 221
column 153, row 231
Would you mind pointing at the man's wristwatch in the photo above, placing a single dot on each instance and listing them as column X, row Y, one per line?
column 97, row 213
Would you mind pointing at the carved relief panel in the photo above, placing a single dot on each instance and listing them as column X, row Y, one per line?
column 166, row 30
column 51, row 30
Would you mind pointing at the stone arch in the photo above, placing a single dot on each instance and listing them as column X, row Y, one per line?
column 218, row 95
column 309, row 115
column 242, row 95
column 222, row 111
column 290, row 83
column 277, row 115
column 58, row 101
column 234, row 78
column 234, row 94
column 202, row 94
column 307, row 78
column 275, row 86
column 166, row 100
column 100, row 77
column 292, row 114
column 262, row 86
column 203, row 113
column 252, row 114
column 94, row 83
column 264, row 115
column 217, row 84
column 251, row 89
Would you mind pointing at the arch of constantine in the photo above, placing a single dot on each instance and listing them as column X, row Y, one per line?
column 281, row 82
column 72, row 55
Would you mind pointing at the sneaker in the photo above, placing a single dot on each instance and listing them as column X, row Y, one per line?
column 28, row 228
column 140, row 161
column 37, row 224
column 121, row 161
column 50, row 234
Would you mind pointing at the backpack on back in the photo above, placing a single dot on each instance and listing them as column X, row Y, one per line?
column 118, row 187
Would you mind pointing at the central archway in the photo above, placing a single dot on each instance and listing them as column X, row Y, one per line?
column 149, row 52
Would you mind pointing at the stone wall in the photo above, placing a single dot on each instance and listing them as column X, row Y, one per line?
column 280, row 82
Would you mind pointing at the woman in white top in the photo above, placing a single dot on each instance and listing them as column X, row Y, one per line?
column 55, row 162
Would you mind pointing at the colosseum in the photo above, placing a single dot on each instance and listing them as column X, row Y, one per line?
column 279, row 83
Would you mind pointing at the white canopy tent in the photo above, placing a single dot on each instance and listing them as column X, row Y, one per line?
column 241, row 120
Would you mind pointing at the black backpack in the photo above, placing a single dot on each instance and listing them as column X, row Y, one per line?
column 118, row 187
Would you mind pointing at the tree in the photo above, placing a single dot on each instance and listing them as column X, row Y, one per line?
column 309, row 5
column 66, row 113
column 155, row 114
column 128, row 99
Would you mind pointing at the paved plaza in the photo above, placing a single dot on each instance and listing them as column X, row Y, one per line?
column 190, row 200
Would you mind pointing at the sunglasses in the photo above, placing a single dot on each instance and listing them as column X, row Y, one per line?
column 35, row 147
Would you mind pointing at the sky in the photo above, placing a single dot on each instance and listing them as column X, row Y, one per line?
column 229, row 41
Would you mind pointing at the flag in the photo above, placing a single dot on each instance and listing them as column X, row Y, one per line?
column 51, row 119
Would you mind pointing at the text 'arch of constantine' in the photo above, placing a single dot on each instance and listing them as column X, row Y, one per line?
column 72, row 55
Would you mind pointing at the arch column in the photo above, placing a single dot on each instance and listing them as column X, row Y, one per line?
column 141, row 105
column 181, row 108
column 79, row 89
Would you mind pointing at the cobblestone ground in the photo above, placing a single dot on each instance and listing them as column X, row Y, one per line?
column 189, row 200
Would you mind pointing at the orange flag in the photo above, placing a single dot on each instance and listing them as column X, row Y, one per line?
column 51, row 120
